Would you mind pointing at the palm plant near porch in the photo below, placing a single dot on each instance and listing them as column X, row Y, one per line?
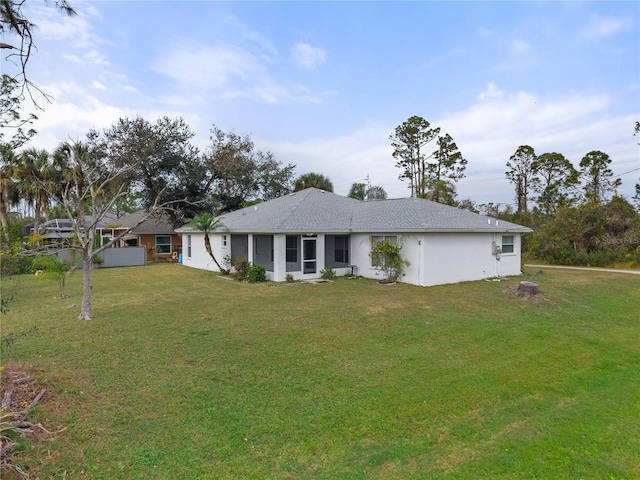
column 206, row 224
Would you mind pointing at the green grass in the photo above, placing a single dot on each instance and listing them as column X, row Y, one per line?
column 184, row 375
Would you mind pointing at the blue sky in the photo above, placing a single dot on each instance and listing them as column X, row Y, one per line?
column 323, row 84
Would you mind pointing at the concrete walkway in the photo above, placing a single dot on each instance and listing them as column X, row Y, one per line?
column 611, row 270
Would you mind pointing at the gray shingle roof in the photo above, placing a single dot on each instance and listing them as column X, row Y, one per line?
column 317, row 211
column 155, row 225
column 419, row 215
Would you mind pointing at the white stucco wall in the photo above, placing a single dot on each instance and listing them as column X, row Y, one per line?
column 199, row 256
column 436, row 258
column 452, row 258
column 411, row 250
column 440, row 258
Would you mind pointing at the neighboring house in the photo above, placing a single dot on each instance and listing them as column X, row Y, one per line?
column 302, row 233
column 53, row 230
column 156, row 234
column 62, row 228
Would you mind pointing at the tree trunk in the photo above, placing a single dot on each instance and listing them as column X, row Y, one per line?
column 85, row 310
column 3, row 216
column 36, row 217
column 207, row 246
column 528, row 288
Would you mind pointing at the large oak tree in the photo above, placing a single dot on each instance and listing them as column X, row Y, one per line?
column 238, row 173
column 161, row 164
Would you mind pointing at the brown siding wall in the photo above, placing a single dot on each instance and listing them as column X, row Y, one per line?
column 149, row 241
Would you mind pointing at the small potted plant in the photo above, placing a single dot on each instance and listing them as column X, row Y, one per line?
column 96, row 261
column 157, row 255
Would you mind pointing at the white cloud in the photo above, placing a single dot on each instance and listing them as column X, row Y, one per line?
column 91, row 11
column 210, row 67
column 486, row 32
column 345, row 160
column 246, row 65
column 492, row 130
column 72, row 58
column 305, row 56
column 520, row 47
column 228, row 71
column 97, row 85
column 491, row 92
column 54, row 25
column 520, row 55
column 95, row 57
column 487, row 133
column 252, row 37
column 67, row 119
column 602, row 27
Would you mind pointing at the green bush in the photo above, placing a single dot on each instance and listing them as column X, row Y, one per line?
column 387, row 258
column 15, row 265
column 240, row 269
column 599, row 235
column 328, row 273
column 256, row 273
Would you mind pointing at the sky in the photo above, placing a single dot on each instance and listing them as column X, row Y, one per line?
column 322, row 85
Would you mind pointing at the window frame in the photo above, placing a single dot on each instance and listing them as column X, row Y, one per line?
column 508, row 248
column 343, row 250
column 163, row 245
column 188, row 246
column 292, row 250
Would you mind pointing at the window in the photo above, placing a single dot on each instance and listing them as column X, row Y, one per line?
column 381, row 238
column 336, row 251
column 188, row 246
column 271, row 246
column 292, row 249
column 224, row 241
column 292, row 253
column 507, row 244
column 341, row 252
column 163, row 244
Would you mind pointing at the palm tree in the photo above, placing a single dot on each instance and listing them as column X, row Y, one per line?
column 55, row 268
column 206, row 224
column 316, row 180
column 7, row 162
column 33, row 181
column 81, row 177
